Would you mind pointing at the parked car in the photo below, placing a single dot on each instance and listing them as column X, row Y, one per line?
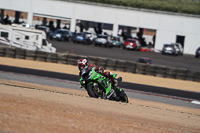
column 144, row 60
column 132, row 44
column 91, row 35
column 180, row 48
column 116, row 41
column 197, row 54
column 170, row 49
column 45, row 29
column 61, row 35
column 103, row 40
column 82, row 37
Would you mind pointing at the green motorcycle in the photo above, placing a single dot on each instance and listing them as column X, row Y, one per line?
column 99, row 86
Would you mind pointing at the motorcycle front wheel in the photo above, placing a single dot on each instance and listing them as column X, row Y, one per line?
column 92, row 91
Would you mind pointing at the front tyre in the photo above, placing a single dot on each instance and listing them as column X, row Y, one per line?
column 91, row 91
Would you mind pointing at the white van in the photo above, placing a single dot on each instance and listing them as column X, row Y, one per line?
column 25, row 38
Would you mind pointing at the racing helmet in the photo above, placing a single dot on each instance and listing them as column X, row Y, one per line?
column 82, row 63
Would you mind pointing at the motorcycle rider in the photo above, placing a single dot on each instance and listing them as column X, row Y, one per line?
column 82, row 63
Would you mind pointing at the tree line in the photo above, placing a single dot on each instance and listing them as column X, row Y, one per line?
column 177, row 6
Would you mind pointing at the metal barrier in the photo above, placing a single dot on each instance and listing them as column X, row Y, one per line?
column 107, row 63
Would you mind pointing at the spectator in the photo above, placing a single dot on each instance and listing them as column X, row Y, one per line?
column 6, row 20
column 154, row 39
column 120, row 32
column 51, row 25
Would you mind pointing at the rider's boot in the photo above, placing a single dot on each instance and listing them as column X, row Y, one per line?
column 112, row 92
column 104, row 83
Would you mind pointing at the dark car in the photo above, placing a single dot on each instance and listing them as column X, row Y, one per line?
column 144, row 60
column 197, row 54
column 103, row 40
column 45, row 29
column 61, row 35
column 82, row 37
column 132, row 44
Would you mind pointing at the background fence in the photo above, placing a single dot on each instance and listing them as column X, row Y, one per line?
column 111, row 64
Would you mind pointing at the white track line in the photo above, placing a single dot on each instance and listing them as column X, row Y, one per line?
column 196, row 102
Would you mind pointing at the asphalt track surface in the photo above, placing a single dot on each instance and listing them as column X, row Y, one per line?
column 185, row 62
column 177, row 94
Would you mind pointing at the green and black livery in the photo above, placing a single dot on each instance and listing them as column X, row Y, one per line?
column 99, row 86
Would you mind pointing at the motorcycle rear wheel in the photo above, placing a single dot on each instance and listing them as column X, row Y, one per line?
column 123, row 97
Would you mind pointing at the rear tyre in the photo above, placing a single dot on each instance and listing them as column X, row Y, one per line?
column 135, row 49
column 69, row 39
column 62, row 39
column 123, row 97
